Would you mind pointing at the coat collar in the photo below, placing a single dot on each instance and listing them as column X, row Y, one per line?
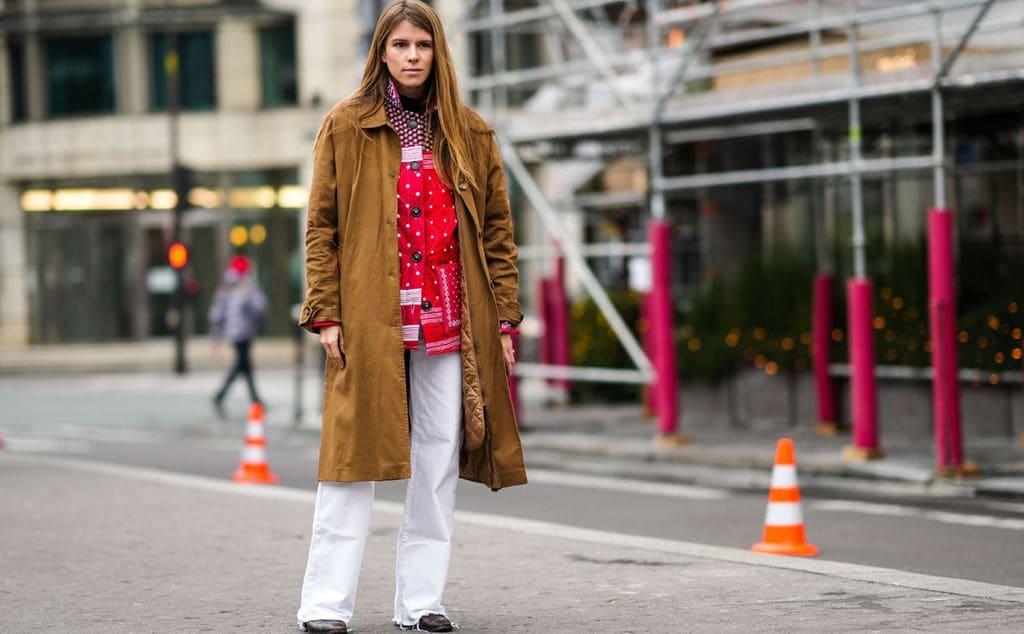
column 461, row 189
column 380, row 116
column 377, row 119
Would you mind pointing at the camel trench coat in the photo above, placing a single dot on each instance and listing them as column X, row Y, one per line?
column 352, row 278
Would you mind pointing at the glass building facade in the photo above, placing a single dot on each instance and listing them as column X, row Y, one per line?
column 96, row 243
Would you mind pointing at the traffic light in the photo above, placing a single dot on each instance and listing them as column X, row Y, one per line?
column 177, row 255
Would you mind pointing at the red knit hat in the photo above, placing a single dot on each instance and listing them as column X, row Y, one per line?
column 240, row 265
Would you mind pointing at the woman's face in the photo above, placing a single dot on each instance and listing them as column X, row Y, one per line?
column 409, row 55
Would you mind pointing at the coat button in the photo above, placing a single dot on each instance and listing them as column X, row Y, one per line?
column 415, row 165
column 462, row 185
column 416, row 212
column 426, row 305
column 413, row 123
column 417, row 256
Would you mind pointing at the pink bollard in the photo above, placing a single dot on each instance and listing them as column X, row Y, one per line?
column 862, row 380
column 821, row 344
column 949, row 456
column 665, row 387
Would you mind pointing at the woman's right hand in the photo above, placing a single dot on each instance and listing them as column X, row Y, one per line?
column 334, row 343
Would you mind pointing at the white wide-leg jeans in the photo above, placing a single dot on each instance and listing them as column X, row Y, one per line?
column 342, row 515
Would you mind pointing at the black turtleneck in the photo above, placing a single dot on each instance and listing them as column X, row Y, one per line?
column 412, row 104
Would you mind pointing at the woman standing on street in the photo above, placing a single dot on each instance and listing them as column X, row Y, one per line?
column 413, row 289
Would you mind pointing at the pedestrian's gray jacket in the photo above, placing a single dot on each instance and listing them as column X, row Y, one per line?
column 237, row 310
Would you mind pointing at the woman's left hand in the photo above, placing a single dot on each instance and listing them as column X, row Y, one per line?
column 508, row 353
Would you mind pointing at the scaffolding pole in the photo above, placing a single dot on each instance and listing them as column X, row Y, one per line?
column 860, row 292
column 949, row 458
column 797, row 172
column 593, row 51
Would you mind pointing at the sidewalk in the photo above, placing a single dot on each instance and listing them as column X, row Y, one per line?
column 101, row 548
column 616, row 440
column 134, row 356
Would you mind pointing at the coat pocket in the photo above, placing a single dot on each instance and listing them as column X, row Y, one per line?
column 449, row 291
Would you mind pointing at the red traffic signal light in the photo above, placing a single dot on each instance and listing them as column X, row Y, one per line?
column 177, row 255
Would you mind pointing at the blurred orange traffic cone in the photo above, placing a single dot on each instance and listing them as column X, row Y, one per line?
column 254, row 468
column 784, row 523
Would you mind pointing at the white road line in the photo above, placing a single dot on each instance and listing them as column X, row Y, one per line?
column 46, row 445
column 560, row 478
column 896, row 510
column 854, row 572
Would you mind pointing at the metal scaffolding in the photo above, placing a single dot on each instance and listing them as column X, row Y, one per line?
column 612, row 70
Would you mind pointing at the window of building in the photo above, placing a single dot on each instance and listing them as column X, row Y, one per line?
column 80, row 75
column 278, row 70
column 197, row 74
column 16, row 61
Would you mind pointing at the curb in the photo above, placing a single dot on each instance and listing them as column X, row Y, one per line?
column 748, row 470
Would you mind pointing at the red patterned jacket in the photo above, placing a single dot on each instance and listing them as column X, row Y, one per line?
column 428, row 248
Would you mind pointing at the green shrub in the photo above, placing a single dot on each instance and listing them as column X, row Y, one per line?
column 593, row 343
column 762, row 318
column 766, row 313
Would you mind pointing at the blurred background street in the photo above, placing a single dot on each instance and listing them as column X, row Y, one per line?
column 737, row 222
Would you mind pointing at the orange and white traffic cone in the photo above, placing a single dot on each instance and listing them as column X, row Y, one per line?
column 784, row 523
column 254, row 468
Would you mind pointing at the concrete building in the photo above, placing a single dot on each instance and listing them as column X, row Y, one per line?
column 86, row 144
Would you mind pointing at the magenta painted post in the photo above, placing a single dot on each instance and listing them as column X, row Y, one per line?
column 821, row 345
column 663, row 342
column 942, row 315
column 862, row 362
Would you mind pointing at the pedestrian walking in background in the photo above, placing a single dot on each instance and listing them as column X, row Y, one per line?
column 236, row 314
column 412, row 286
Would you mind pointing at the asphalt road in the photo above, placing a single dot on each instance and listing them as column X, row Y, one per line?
column 165, row 424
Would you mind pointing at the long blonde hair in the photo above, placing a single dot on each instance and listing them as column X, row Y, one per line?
column 452, row 138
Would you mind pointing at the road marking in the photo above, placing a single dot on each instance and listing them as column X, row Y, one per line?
column 946, row 517
column 561, row 478
column 46, row 445
column 852, row 572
